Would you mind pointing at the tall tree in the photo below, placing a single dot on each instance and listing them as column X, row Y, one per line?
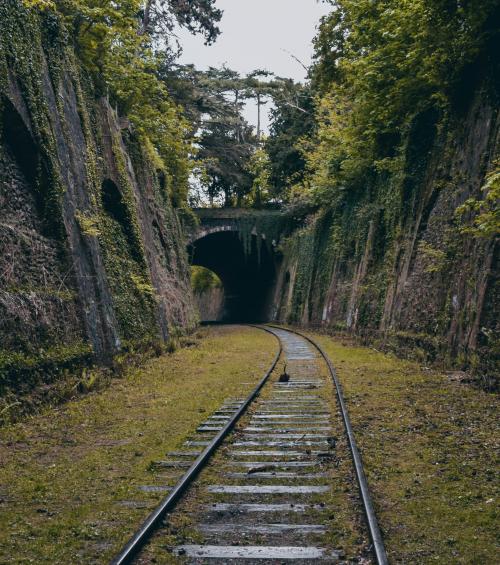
column 261, row 90
column 225, row 161
column 213, row 101
column 292, row 119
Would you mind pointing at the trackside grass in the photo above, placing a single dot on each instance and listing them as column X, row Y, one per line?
column 428, row 443
column 70, row 477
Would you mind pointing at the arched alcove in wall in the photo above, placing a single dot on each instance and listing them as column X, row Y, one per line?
column 112, row 202
column 115, row 207
column 17, row 140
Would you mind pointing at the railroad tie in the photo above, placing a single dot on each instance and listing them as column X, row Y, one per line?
column 271, row 474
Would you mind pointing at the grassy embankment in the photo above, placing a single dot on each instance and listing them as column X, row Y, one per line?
column 65, row 474
column 428, row 443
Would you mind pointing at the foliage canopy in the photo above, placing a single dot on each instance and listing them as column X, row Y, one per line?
column 378, row 68
column 122, row 45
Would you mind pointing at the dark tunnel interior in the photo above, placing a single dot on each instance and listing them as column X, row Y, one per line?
column 248, row 278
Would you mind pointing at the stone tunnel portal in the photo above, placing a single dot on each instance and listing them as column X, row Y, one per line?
column 247, row 275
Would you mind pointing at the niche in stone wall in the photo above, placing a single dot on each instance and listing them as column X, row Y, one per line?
column 125, row 266
column 113, row 203
column 162, row 181
column 22, row 149
column 18, row 140
column 116, row 208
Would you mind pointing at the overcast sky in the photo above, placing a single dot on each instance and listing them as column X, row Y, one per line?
column 259, row 34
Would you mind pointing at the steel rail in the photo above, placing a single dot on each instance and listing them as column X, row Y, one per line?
column 153, row 520
column 371, row 518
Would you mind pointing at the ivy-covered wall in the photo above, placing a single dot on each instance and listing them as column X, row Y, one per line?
column 393, row 264
column 92, row 257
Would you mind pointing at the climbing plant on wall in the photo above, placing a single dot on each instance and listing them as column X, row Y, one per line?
column 122, row 44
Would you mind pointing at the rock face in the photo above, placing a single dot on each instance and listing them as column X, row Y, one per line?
column 393, row 263
column 210, row 304
column 92, row 257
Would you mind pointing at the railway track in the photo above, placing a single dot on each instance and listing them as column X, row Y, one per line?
column 270, row 478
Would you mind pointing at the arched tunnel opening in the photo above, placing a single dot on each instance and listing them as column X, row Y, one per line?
column 247, row 274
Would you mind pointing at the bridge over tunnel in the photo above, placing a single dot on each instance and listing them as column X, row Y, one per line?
column 240, row 252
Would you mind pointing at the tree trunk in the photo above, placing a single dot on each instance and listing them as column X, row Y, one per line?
column 147, row 17
column 236, row 100
column 258, row 116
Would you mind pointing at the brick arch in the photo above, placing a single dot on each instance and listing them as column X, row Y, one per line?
column 204, row 231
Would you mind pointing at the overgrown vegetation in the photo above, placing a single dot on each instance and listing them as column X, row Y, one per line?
column 354, row 150
column 22, row 372
column 231, row 167
column 373, row 145
column 122, row 45
column 483, row 214
column 377, row 68
column 87, row 83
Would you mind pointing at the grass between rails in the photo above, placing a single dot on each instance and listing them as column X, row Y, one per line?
column 65, row 473
column 341, row 513
column 428, row 444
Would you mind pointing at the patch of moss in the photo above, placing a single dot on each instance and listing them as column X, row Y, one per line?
column 88, row 224
column 60, row 294
column 132, row 297
column 21, row 372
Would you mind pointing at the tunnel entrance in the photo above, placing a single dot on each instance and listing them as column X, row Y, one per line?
column 247, row 275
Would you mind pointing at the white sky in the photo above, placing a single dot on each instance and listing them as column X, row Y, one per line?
column 259, row 34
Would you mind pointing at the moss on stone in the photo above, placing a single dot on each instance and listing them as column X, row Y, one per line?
column 21, row 372
column 38, row 58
